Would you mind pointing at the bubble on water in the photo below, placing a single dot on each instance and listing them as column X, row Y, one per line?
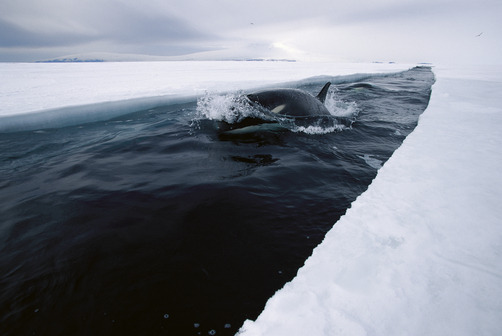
column 166, row 316
column 196, row 325
column 212, row 332
column 228, row 326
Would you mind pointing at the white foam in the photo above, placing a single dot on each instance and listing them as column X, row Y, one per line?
column 318, row 129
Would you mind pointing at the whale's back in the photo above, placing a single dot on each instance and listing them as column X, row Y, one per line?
column 289, row 102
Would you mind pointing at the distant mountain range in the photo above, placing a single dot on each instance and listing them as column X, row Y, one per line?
column 113, row 57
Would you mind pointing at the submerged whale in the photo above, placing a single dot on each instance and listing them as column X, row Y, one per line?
column 292, row 102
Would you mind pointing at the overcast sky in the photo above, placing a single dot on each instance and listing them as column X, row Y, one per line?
column 350, row 30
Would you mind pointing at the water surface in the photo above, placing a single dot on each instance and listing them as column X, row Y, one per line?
column 160, row 223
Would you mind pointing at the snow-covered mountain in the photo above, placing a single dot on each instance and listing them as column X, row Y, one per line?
column 260, row 53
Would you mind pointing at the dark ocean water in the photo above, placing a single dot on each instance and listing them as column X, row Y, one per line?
column 160, row 223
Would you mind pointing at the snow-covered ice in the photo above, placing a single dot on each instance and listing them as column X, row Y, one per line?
column 35, row 95
column 32, row 87
column 417, row 254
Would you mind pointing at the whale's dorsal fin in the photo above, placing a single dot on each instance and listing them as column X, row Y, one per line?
column 324, row 91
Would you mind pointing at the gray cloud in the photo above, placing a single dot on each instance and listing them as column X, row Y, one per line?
column 117, row 22
column 15, row 36
column 108, row 25
column 362, row 30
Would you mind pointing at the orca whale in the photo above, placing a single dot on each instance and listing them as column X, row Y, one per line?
column 292, row 102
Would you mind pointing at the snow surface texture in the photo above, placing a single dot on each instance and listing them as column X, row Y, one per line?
column 419, row 252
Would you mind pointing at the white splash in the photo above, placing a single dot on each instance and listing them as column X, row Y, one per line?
column 230, row 108
column 339, row 108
